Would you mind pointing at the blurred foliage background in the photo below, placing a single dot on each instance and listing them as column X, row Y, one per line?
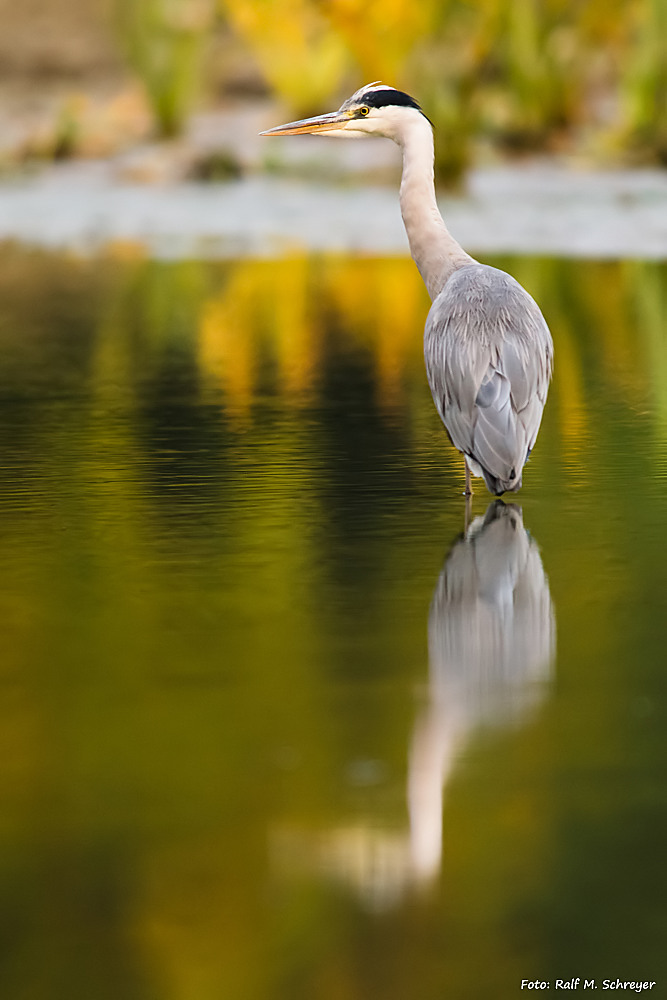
column 496, row 76
column 214, row 469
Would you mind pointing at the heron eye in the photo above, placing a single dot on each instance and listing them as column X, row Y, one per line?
column 363, row 112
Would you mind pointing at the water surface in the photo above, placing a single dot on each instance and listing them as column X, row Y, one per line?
column 272, row 726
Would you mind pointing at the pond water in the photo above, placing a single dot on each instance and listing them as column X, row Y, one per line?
column 271, row 728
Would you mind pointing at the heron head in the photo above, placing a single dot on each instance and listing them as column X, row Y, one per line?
column 372, row 110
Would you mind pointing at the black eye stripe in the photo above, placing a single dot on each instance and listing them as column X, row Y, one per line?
column 381, row 97
column 388, row 98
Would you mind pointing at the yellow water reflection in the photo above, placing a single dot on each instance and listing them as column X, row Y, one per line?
column 381, row 304
column 231, row 749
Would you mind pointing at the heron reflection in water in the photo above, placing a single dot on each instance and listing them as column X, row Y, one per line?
column 487, row 348
column 491, row 637
column 491, row 631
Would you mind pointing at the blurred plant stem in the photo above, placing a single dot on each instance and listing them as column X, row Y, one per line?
column 300, row 56
column 450, row 106
column 645, row 83
column 165, row 41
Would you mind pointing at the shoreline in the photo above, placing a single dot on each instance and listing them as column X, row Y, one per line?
column 534, row 209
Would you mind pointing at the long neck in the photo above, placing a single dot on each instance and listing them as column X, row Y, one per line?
column 434, row 250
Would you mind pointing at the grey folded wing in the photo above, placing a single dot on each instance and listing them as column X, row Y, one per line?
column 489, row 357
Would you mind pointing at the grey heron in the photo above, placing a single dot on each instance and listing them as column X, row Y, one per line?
column 487, row 347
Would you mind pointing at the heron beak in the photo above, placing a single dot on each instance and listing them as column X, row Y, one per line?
column 331, row 122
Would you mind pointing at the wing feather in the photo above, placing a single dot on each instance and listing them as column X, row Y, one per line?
column 488, row 354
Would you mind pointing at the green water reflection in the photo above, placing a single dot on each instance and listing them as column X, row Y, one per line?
column 230, row 533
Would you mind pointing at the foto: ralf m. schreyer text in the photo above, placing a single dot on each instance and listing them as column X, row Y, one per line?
column 636, row 985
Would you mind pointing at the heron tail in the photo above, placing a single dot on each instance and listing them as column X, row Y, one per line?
column 498, row 486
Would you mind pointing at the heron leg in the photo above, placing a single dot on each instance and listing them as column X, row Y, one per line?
column 468, row 489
